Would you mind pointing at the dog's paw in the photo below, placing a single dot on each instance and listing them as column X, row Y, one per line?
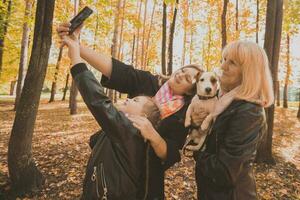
column 204, row 126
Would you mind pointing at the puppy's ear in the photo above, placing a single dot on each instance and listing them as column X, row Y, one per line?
column 198, row 75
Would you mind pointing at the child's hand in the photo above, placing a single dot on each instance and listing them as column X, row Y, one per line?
column 144, row 125
column 74, row 49
column 63, row 30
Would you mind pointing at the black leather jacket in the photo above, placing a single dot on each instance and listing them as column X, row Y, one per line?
column 224, row 168
column 125, row 141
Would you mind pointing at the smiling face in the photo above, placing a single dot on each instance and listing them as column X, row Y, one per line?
column 182, row 81
column 207, row 84
column 232, row 73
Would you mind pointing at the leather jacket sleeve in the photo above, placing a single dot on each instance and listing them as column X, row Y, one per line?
column 237, row 148
column 125, row 79
column 114, row 123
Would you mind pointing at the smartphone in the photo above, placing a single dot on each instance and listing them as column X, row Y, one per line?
column 79, row 18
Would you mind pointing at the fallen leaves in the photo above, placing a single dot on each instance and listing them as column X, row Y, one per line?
column 60, row 149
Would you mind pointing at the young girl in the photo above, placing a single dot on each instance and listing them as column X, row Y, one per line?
column 117, row 167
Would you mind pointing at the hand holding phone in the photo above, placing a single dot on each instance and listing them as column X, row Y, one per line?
column 80, row 18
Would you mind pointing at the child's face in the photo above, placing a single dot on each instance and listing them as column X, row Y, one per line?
column 133, row 106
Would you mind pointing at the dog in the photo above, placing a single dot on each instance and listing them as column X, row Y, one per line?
column 204, row 101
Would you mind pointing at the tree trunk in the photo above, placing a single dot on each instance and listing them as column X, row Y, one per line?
column 149, row 36
column 223, row 24
column 73, row 98
column 185, row 28
column 12, row 87
column 24, row 51
column 24, row 175
column 96, row 31
column 236, row 16
column 144, row 32
column 138, row 37
column 121, row 33
column 4, row 19
column 191, row 40
column 53, row 88
column 278, row 93
column 288, row 72
column 257, row 20
column 164, row 40
column 171, row 38
column 272, row 47
column 66, row 87
column 298, row 114
column 74, row 89
column 132, row 51
column 114, row 50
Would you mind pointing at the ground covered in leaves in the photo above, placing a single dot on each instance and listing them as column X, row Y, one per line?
column 60, row 148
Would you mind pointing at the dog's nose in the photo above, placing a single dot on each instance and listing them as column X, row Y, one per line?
column 207, row 90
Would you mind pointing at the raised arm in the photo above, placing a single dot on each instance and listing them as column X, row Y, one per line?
column 114, row 123
column 99, row 61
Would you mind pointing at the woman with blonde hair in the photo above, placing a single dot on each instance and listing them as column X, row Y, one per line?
column 224, row 163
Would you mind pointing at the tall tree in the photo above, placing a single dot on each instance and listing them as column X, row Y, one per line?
column 164, row 39
column 66, row 87
column 272, row 47
column 138, row 35
column 24, row 51
column 291, row 23
column 121, row 31
column 144, row 34
column 74, row 89
column 149, row 35
column 223, row 23
column 287, row 74
column 185, row 13
column 24, row 174
column 236, row 16
column 298, row 114
column 4, row 22
column 114, row 46
column 278, row 93
column 171, row 38
column 257, row 21
column 54, row 83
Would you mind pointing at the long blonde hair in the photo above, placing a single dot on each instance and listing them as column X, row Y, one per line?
column 256, row 82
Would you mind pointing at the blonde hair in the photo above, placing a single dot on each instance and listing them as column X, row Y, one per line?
column 256, row 82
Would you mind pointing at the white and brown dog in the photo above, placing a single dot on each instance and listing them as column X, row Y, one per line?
column 203, row 101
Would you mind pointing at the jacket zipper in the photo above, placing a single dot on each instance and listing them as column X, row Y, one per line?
column 103, row 181
column 147, row 171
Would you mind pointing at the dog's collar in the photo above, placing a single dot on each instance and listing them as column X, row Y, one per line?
column 205, row 98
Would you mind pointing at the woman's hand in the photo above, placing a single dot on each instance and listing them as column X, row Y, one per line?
column 74, row 49
column 144, row 125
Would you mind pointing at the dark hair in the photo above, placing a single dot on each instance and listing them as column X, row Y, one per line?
column 200, row 70
column 152, row 112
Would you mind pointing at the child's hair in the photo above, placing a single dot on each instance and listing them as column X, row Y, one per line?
column 152, row 112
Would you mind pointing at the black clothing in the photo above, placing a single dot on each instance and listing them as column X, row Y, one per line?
column 224, row 167
column 124, row 78
column 117, row 161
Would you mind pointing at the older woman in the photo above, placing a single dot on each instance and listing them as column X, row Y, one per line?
column 224, row 164
column 172, row 98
